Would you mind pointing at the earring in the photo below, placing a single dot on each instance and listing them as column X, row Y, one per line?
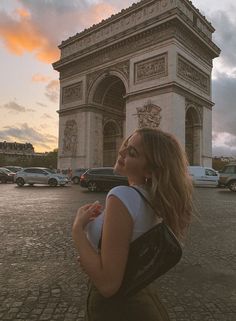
column 146, row 180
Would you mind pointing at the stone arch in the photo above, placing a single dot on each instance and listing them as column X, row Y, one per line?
column 104, row 78
column 112, row 68
column 193, row 133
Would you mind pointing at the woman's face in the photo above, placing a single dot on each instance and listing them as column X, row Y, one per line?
column 131, row 161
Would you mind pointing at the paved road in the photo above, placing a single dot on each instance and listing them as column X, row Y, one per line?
column 40, row 278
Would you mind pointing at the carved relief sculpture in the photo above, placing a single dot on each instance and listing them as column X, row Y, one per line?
column 151, row 68
column 191, row 73
column 149, row 115
column 72, row 93
column 70, row 138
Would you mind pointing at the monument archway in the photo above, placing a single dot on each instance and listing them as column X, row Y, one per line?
column 140, row 66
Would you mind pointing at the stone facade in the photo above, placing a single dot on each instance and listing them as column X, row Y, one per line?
column 11, row 153
column 16, row 148
column 147, row 65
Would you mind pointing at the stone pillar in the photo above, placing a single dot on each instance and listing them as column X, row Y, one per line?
column 207, row 138
column 94, row 141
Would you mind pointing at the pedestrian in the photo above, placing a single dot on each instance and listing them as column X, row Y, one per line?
column 69, row 173
column 154, row 163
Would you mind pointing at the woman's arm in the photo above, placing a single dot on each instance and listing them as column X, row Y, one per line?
column 106, row 269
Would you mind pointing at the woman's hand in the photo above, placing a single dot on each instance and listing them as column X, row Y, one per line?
column 86, row 214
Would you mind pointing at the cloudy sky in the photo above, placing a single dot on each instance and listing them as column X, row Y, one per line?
column 31, row 30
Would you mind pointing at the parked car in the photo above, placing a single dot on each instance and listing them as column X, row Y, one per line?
column 76, row 174
column 101, row 179
column 203, row 176
column 40, row 175
column 6, row 175
column 14, row 169
column 227, row 177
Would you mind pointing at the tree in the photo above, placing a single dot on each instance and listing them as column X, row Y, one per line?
column 218, row 164
column 51, row 159
column 2, row 160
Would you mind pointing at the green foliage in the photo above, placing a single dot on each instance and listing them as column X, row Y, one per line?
column 2, row 160
column 218, row 164
column 51, row 159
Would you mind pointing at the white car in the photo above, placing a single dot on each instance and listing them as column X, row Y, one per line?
column 203, row 176
column 40, row 175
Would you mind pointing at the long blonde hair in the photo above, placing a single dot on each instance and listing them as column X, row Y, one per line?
column 170, row 185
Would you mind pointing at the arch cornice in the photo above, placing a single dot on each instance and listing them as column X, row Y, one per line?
column 170, row 29
column 139, row 15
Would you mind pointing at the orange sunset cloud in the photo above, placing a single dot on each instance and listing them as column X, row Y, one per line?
column 20, row 36
column 22, row 12
column 21, row 33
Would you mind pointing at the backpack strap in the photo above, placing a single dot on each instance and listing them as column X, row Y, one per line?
column 147, row 201
column 143, row 197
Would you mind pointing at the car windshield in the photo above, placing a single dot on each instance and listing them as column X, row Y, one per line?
column 51, row 171
column 5, row 170
column 80, row 170
column 16, row 169
column 228, row 170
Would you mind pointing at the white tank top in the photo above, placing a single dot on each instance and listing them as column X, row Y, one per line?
column 142, row 214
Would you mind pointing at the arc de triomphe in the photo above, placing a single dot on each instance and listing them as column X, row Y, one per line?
column 149, row 65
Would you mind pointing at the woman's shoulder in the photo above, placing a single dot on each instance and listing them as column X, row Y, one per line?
column 134, row 191
column 129, row 197
column 121, row 190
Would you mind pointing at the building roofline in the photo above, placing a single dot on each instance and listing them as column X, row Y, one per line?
column 123, row 13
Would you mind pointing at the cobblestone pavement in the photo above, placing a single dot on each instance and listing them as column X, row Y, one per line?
column 40, row 278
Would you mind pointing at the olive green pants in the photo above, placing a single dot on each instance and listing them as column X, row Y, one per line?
column 143, row 306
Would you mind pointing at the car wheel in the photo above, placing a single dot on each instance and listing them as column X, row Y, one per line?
column 52, row 182
column 232, row 186
column 3, row 180
column 20, row 181
column 76, row 180
column 92, row 186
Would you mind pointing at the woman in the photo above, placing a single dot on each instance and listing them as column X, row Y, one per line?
column 154, row 163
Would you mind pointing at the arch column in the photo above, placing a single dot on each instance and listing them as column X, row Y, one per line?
column 193, row 134
column 112, row 138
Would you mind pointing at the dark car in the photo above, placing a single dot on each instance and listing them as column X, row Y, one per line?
column 6, row 175
column 101, row 179
column 76, row 174
column 227, row 177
